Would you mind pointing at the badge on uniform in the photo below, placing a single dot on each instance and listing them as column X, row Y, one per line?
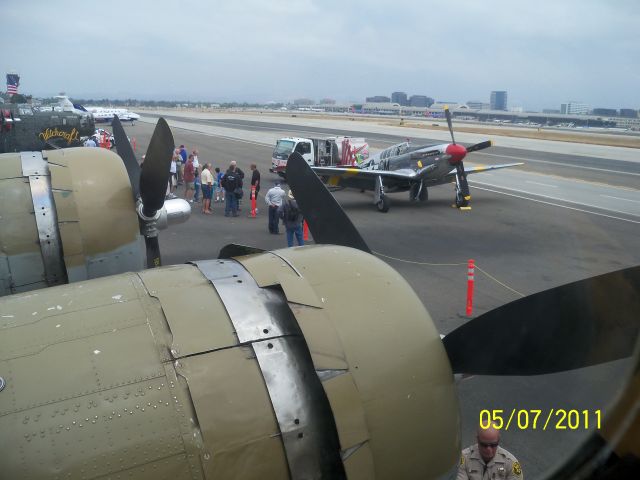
column 517, row 469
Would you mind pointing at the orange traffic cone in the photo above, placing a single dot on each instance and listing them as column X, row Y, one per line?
column 254, row 208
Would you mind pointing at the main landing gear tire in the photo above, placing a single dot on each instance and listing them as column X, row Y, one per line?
column 415, row 196
column 460, row 201
column 424, row 194
column 383, row 205
column 413, row 192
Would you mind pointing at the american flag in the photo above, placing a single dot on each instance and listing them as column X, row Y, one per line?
column 13, row 81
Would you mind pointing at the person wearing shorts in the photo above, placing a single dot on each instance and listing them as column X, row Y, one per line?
column 206, row 180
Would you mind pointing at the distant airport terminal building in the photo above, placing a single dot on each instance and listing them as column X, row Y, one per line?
column 420, row 101
column 400, row 98
column 498, row 100
column 464, row 112
column 378, row 99
column 478, row 105
column 574, row 108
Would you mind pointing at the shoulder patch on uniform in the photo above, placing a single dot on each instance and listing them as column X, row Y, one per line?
column 517, row 469
column 461, row 460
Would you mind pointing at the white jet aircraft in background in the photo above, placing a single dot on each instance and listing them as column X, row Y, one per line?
column 105, row 115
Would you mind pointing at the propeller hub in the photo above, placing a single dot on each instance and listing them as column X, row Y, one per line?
column 456, row 153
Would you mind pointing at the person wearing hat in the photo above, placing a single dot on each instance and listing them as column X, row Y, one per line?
column 292, row 218
column 273, row 199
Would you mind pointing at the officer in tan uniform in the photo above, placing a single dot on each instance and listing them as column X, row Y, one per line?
column 486, row 460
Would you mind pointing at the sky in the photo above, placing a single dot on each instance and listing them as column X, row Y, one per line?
column 543, row 52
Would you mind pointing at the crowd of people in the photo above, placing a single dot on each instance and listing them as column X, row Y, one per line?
column 205, row 185
column 100, row 138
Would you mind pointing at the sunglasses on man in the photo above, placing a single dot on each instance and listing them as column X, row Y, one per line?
column 488, row 445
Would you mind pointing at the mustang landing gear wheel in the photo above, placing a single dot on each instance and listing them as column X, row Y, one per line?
column 460, row 200
column 418, row 194
column 383, row 205
column 413, row 192
column 424, row 194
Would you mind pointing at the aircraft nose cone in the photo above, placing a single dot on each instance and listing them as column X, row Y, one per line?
column 456, row 152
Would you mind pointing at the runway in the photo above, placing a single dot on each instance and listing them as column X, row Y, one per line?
column 561, row 218
column 615, row 166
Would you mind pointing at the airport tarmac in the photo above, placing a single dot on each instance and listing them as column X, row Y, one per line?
column 523, row 237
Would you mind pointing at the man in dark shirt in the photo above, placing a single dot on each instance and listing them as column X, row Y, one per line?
column 230, row 182
column 183, row 156
column 255, row 180
column 240, row 176
column 292, row 218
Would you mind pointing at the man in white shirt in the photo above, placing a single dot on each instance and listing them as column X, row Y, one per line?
column 273, row 198
column 172, row 178
column 196, row 166
column 206, row 182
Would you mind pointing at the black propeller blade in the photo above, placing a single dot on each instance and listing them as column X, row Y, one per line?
column 462, row 195
column 572, row 326
column 477, row 146
column 128, row 157
column 150, row 182
column 154, row 179
column 447, row 114
column 327, row 221
column 236, row 250
column 155, row 169
column 464, row 185
column 152, row 246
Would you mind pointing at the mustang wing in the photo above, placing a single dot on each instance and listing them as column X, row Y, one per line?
column 451, row 176
column 365, row 178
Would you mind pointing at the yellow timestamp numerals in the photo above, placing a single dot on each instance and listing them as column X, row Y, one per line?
column 533, row 419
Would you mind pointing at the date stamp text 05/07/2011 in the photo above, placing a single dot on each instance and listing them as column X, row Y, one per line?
column 538, row 419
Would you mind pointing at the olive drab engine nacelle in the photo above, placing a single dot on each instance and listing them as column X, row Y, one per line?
column 68, row 215
column 311, row 362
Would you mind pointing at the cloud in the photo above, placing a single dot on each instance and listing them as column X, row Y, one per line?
column 540, row 51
